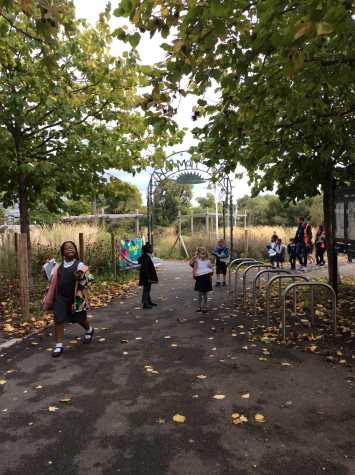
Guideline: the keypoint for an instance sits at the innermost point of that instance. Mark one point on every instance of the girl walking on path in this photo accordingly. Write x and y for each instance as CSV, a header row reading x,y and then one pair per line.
x,y
202,273
67,297
320,245
221,253
147,275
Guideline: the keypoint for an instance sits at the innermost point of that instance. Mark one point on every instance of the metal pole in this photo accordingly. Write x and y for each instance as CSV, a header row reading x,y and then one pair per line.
x,y
224,220
312,307
216,210
137,223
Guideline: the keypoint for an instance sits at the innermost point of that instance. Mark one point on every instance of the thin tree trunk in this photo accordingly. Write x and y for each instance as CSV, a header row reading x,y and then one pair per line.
x,y
25,218
329,224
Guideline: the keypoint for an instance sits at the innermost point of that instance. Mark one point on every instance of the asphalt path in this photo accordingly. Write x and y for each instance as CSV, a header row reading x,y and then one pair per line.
x,y
108,407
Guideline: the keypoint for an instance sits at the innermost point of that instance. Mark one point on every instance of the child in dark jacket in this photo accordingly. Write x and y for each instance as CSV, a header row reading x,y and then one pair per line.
x,y
147,275
292,253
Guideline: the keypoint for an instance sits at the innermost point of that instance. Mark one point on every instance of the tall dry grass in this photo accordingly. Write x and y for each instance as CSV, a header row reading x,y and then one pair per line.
x,y
251,242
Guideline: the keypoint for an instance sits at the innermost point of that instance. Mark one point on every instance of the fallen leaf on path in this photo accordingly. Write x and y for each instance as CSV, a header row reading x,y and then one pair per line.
x,y
179,418
10,371
66,400
245,396
259,418
167,337
238,419
173,345
2,382
101,340
219,396
201,376
39,387
52,408
286,364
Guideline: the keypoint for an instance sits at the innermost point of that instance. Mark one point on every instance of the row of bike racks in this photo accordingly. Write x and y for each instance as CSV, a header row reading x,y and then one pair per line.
x,y
282,274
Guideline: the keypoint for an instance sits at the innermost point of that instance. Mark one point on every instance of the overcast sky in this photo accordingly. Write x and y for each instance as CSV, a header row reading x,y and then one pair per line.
x,y
150,53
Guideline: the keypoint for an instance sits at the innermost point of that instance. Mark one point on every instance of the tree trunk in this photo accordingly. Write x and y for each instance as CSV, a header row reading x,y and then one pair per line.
x,y
329,225
25,217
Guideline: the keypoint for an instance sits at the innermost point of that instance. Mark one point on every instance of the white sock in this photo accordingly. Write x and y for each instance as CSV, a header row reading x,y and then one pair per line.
x,y
59,345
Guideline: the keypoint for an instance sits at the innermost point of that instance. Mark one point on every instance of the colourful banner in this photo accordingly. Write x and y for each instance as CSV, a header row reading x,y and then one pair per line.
x,y
130,251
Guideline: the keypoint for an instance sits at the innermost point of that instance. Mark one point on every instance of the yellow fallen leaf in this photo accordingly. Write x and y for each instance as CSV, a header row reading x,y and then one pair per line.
x,y
259,418
286,364
65,400
2,382
52,408
238,419
201,376
173,345
245,396
10,371
39,387
180,419
219,396
101,340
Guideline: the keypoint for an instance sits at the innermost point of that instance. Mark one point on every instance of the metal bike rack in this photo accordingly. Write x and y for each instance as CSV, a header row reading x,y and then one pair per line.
x,y
245,273
311,285
268,291
236,261
258,277
241,264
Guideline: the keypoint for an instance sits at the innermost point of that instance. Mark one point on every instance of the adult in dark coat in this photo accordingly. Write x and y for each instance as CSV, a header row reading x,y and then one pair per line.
x,y
147,275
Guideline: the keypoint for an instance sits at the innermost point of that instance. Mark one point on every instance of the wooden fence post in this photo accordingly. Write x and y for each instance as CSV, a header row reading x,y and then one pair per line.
x,y
192,222
207,224
113,256
23,271
81,246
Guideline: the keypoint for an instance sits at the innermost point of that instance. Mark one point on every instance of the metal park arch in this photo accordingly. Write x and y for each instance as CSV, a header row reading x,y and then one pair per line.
x,y
187,171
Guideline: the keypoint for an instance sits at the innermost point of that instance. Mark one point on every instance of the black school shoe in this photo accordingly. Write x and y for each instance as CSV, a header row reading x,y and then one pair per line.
x,y
87,337
153,304
57,351
218,284
147,306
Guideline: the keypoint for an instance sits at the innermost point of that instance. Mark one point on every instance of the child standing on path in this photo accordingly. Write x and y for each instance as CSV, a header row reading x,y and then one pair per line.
x,y
66,295
280,253
221,253
147,275
202,273
292,253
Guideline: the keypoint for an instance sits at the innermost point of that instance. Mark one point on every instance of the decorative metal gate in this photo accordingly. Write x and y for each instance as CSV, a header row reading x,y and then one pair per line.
x,y
187,171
